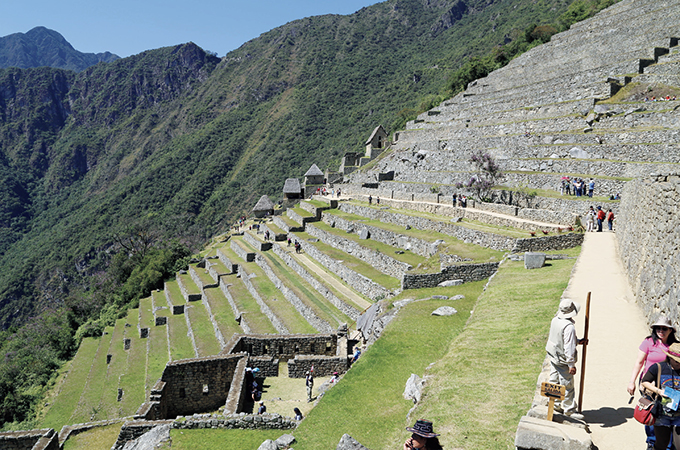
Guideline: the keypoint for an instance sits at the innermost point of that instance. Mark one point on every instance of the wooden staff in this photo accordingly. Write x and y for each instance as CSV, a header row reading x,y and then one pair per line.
x,y
585,347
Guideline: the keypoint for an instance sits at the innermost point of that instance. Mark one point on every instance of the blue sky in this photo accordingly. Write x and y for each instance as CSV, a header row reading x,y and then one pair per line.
x,y
128,27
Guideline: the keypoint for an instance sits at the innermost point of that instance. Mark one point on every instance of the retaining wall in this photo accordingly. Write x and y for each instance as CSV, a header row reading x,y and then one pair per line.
x,y
648,235
465,272
266,310
283,347
323,365
44,439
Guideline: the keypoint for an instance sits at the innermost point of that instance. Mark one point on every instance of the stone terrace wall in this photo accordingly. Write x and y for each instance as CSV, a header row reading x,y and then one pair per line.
x,y
380,261
547,243
465,272
362,284
649,243
134,429
243,421
45,439
266,310
418,246
350,311
489,240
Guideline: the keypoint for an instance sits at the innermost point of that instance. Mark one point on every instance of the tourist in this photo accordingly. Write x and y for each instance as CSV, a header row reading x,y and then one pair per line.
x,y
423,437
377,200
591,188
309,383
567,186
590,220
370,199
357,354
338,192
669,371
262,409
334,379
600,218
561,349
289,241
610,219
298,413
652,350
254,391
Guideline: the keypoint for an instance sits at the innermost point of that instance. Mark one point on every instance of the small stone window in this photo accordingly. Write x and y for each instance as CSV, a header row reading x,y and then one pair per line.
x,y
182,393
280,349
297,349
328,347
312,348
266,349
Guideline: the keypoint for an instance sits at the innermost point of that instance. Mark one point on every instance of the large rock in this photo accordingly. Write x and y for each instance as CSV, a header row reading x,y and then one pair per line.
x,y
364,234
414,388
347,442
449,283
579,153
151,439
534,260
285,441
538,434
268,445
445,311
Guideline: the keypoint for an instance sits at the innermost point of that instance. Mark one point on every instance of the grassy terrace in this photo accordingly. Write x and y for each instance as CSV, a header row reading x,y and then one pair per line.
x,y
274,298
309,296
451,245
406,257
181,346
88,404
274,229
548,193
159,300
290,222
466,223
353,263
175,293
133,381
204,276
204,333
157,356
221,309
109,407
302,213
189,284
220,267
70,386
318,203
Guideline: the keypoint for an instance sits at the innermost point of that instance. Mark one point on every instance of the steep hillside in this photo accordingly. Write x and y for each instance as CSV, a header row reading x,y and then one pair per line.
x,y
44,47
186,143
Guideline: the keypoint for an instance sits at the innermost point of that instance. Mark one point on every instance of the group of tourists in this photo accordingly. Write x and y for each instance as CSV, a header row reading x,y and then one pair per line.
x,y
323,191
667,98
577,186
460,200
598,216
370,200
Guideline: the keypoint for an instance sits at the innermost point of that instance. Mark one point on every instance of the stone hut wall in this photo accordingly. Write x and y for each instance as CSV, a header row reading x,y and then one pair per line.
x,y
283,347
44,439
546,243
323,365
649,243
197,385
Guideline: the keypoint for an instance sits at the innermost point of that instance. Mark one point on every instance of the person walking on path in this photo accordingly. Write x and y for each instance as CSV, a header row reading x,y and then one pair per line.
x,y
590,219
610,219
561,349
670,378
591,188
309,382
652,350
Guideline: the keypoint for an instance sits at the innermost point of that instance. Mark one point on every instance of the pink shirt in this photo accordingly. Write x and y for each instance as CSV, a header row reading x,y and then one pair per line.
x,y
655,352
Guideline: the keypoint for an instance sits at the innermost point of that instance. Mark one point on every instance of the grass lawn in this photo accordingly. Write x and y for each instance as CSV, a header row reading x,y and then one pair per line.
x,y
204,276
367,403
353,263
302,213
181,346
318,203
189,284
159,300
246,304
109,407
175,293
70,389
157,355
225,439
222,312
486,381
204,333
290,222
99,438
133,381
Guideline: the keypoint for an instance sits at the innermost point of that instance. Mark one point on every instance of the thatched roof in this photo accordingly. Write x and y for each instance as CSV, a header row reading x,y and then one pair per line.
x,y
292,186
314,171
377,129
264,204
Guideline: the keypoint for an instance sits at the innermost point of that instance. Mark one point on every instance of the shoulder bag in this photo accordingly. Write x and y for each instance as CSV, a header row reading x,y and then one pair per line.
x,y
647,407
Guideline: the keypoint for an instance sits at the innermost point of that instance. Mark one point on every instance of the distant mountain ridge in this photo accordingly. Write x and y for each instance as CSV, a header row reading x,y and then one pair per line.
x,y
42,47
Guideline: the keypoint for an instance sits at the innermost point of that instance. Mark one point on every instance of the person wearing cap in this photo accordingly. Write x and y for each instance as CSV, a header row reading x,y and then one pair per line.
x,y
561,349
309,382
652,350
262,409
668,375
423,437
600,218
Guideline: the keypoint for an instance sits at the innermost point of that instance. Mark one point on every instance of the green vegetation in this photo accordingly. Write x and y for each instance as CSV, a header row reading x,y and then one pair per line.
x,y
96,438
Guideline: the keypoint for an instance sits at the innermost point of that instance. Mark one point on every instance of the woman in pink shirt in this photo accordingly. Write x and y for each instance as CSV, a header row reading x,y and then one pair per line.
x,y
652,350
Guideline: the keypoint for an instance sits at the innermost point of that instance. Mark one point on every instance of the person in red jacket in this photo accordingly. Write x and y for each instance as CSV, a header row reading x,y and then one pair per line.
x,y
610,219
600,218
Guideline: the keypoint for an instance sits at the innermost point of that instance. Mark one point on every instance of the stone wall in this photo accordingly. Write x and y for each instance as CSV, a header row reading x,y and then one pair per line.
x,y
285,227
268,365
256,243
188,296
266,310
547,243
241,252
489,240
380,261
465,272
227,262
45,439
244,421
418,246
283,347
649,243
224,287
350,311
134,429
360,283
323,365
196,385
305,311
199,282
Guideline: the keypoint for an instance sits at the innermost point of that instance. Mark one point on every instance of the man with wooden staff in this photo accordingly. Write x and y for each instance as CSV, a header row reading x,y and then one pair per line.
x,y
561,348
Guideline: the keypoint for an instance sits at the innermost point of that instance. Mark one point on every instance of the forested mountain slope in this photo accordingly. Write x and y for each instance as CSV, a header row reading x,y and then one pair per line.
x,y
184,142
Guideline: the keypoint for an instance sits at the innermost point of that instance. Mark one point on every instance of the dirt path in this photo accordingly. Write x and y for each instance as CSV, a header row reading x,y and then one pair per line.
x,y
617,327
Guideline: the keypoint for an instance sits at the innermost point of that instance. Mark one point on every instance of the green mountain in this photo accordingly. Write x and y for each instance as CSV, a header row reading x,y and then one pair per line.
x,y
181,142
44,47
